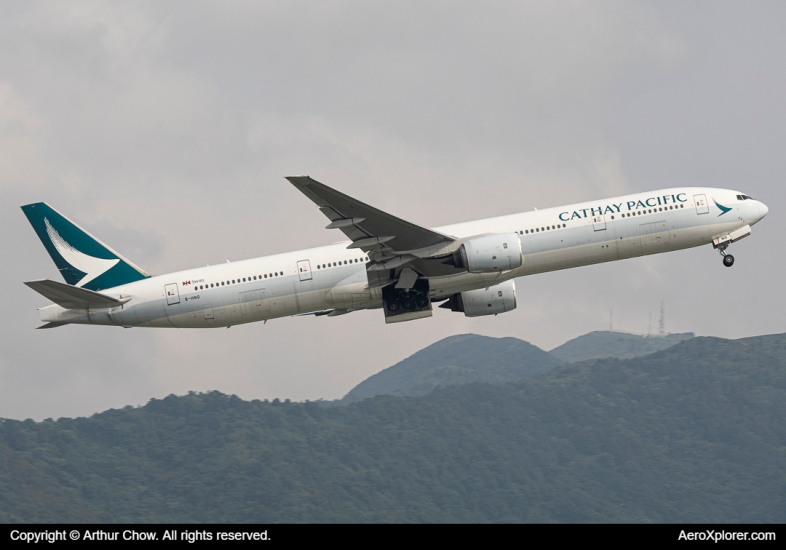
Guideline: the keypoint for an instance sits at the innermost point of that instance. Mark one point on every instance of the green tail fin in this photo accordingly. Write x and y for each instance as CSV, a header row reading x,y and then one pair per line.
x,y
83,260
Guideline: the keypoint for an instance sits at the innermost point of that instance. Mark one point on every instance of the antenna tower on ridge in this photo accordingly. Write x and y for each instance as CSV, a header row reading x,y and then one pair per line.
x,y
662,331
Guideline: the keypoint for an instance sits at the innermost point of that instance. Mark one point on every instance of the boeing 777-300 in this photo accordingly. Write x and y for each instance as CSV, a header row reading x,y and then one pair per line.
x,y
387,263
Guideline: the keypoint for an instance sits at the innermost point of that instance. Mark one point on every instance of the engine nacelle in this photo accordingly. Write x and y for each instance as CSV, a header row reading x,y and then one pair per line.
x,y
490,254
477,303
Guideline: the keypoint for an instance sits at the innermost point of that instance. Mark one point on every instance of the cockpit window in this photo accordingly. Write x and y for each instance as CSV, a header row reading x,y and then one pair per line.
x,y
745,198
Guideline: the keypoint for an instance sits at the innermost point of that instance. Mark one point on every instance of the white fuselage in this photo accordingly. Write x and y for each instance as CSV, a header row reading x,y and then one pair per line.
x,y
333,277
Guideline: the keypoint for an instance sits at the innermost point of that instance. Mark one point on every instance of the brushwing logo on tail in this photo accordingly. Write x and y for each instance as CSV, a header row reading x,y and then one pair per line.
x,y
93,267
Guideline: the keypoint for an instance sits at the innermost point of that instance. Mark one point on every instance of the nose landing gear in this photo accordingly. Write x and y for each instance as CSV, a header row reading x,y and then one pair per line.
x,y
728,259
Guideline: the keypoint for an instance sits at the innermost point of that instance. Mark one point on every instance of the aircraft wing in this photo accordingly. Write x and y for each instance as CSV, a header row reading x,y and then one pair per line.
x,y
72,297
366,226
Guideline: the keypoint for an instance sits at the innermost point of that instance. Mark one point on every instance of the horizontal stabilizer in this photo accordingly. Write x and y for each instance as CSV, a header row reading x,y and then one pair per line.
x,y
52,325
72,297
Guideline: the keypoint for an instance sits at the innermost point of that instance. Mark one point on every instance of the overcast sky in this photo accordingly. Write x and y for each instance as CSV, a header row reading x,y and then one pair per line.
x,y
166,128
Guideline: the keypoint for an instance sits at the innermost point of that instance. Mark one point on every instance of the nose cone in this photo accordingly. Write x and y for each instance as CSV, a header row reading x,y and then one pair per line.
x,y
763,210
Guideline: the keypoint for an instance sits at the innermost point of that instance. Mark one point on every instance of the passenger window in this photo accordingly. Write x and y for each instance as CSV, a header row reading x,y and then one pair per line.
x,y
265,276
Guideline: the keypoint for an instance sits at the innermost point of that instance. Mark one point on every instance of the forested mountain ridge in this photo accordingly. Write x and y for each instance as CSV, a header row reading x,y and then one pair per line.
x,y
695,433
466,358
622,345
455,360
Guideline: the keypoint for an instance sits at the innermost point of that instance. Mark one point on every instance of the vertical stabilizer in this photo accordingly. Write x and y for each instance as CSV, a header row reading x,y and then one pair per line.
x,y
83,260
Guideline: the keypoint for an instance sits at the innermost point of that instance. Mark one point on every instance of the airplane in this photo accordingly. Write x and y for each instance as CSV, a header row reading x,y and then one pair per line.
x,y
387,263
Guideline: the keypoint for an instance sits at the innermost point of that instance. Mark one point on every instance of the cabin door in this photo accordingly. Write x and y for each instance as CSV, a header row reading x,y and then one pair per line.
x,y
172,294
599,222
304,270
701,204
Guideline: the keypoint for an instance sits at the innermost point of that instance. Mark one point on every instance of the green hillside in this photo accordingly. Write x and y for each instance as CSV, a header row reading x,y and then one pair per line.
x,y
695,433
457,360
622,345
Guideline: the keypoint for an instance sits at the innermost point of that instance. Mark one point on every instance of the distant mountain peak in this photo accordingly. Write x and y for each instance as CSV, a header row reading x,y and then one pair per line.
x,y
458,359
601,344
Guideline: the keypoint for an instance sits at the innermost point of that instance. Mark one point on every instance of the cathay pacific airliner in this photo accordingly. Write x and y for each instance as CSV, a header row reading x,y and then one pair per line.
x,y
386,262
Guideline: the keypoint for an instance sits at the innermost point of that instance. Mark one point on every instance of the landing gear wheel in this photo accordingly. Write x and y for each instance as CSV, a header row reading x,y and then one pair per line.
x,y
408,303
422,302
393,306
728,260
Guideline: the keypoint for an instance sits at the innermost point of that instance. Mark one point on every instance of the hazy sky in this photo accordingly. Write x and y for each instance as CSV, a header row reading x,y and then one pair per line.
x,y
165,128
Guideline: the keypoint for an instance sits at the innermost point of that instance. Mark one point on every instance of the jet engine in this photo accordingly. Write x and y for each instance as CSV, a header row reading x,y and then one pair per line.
x,y
477,303
490,254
